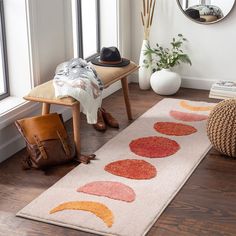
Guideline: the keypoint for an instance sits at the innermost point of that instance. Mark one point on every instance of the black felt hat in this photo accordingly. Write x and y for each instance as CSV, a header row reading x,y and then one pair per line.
x,y
110,57
194,14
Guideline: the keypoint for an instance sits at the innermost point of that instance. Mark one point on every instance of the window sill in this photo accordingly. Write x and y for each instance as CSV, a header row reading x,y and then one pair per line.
x,y
13,108
9,103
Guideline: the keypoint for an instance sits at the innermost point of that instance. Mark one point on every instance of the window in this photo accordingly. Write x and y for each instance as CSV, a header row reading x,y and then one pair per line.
x,y
4,88
88,28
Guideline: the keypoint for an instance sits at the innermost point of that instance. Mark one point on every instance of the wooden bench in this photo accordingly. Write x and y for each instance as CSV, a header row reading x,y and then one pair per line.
x,y
45,94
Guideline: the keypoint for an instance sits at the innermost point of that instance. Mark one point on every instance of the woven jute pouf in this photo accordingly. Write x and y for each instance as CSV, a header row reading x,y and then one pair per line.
x,y
221,127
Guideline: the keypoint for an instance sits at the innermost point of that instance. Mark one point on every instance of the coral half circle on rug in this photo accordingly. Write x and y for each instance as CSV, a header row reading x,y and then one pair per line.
x,y
189,117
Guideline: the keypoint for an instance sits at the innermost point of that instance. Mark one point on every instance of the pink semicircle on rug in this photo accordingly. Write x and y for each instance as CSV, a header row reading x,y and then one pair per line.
x,y
110,189
185,116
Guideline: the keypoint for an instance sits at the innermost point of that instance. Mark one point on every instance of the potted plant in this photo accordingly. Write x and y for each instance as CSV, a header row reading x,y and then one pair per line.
x,y
163,80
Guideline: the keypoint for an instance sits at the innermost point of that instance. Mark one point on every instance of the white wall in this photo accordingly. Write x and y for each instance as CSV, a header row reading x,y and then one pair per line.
x,y
210,47
51,36
108,20
115,25
124,27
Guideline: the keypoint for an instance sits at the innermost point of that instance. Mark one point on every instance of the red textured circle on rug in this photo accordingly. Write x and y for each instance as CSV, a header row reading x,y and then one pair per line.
x,y
154,147
172,128
132,169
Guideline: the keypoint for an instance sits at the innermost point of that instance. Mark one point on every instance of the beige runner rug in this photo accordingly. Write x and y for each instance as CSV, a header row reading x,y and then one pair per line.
x,y
135,176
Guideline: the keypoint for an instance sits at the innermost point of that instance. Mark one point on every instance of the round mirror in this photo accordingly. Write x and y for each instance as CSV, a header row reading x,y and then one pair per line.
x,y
206,11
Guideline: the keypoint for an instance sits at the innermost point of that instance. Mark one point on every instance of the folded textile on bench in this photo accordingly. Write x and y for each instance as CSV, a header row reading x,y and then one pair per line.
x,y
78,79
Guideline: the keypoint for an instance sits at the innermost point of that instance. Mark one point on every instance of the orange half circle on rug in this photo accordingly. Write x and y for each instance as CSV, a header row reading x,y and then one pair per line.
x,y
185,116
98,209
175,129
185,105
110,189
154,147
132,169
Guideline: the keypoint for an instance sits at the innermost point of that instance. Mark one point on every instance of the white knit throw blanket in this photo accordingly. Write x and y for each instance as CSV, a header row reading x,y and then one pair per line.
x,y
78,79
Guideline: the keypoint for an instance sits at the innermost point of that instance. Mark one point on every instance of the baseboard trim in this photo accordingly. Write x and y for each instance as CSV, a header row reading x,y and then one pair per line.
x,y
197,83
18,112
7,149
15,143
189,82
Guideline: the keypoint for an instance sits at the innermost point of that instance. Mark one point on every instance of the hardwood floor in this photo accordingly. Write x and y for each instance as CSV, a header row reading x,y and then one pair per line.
x,y
206,205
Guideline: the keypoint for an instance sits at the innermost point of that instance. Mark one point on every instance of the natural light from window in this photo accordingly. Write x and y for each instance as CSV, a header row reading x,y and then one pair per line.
x,y
2,78
89,24
3,82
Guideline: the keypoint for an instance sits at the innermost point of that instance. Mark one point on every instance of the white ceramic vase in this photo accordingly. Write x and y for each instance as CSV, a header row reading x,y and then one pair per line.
x,y
165,82
144,73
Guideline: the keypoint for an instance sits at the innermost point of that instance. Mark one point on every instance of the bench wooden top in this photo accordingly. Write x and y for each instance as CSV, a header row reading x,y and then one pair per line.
x,y
109,75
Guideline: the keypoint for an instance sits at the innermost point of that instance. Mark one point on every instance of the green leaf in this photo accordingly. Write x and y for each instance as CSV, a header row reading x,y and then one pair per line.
x,y
167,57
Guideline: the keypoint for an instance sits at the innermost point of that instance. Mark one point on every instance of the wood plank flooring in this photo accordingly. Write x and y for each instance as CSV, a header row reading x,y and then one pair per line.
x,y
206,205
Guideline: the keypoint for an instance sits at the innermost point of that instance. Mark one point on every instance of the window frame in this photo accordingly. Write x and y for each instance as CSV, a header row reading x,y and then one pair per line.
x,y
4,51
80,31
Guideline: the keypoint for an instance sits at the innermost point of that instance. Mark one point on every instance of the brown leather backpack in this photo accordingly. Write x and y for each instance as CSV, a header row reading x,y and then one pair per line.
x,y
47,141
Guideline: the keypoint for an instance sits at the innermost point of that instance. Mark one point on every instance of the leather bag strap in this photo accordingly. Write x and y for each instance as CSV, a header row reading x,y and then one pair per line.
x,y
64,144
26,163
40,147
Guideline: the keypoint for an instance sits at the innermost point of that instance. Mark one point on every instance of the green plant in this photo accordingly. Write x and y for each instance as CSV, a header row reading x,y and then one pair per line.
x,y
165,58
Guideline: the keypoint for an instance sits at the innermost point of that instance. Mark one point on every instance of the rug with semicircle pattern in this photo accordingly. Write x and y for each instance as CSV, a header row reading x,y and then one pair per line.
x,y
135,176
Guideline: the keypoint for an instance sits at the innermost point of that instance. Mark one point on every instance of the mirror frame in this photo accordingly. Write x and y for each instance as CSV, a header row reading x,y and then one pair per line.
x,y
204,23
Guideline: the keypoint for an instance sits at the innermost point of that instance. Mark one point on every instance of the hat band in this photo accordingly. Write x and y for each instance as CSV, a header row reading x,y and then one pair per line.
x,y
111,62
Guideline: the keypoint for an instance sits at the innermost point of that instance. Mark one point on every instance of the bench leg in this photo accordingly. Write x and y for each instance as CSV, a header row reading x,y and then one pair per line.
x,y
76,126
45,108
125,87
85,159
